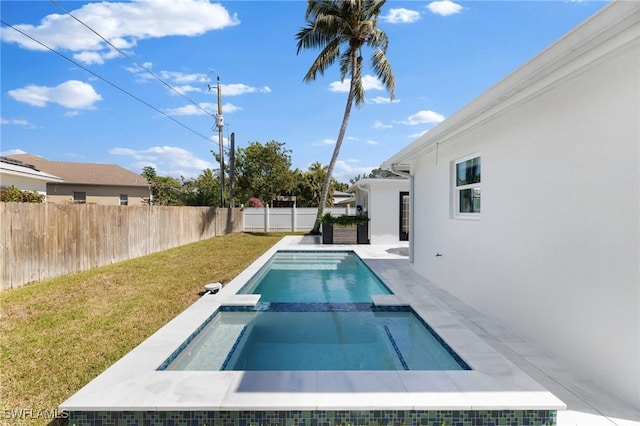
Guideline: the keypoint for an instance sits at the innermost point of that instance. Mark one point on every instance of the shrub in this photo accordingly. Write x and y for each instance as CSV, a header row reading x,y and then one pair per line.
x,y
358,219
14,195
254,202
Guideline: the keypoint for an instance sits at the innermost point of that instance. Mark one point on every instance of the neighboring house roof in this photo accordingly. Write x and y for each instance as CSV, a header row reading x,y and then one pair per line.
x,y
340,197
84,173
376,181
9,166
614,27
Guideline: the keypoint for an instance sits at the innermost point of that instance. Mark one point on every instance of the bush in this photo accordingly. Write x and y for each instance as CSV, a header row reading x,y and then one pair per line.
x,y
358,219
254,202
14,195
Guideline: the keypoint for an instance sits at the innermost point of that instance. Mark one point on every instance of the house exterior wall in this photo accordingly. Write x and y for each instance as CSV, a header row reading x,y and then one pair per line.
x,y
385,211
382,201
62,193
555,253
24,183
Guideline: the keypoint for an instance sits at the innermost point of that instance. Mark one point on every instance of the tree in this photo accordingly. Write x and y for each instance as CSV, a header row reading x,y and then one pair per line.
x,y
352,24
165,190
308,186
316,176
203,190
374,174
14,195
263,171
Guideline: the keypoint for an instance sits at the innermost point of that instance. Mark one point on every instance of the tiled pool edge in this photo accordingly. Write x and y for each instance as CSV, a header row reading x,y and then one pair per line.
x,y
317,418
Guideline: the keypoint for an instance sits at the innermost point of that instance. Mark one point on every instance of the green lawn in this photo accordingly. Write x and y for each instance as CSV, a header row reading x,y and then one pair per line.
x,y
57,335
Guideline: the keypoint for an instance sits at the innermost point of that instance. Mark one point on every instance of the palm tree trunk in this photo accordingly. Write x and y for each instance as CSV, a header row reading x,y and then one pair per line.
x,y
334,157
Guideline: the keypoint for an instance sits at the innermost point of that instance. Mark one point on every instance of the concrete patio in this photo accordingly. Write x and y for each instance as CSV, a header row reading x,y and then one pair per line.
x,y
587,403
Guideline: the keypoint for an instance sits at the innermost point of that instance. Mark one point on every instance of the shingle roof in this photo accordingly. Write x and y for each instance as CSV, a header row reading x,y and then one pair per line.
x,y
84,173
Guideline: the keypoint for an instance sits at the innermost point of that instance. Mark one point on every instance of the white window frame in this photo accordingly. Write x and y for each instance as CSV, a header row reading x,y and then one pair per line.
x,y
455,189
124,199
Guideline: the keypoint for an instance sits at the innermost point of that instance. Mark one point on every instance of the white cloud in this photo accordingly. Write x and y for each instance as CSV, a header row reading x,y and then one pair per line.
x,y
183,78
136,69
444,7
186,89
325,142
236,89
89,58
211,109
123,23
166,160
380,125
192,109
369,82
345,170
340,86
382,100
422,117
194,82
13,152
92,57
417,135
401,16
229,108
72,94
371,142
15,122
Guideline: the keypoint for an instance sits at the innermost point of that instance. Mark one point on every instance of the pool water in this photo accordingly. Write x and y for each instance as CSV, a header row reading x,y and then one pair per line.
x,y
355,338
315,313
303,277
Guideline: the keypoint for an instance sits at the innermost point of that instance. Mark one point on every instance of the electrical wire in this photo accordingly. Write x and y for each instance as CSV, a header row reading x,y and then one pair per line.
x,y
157,77
105,80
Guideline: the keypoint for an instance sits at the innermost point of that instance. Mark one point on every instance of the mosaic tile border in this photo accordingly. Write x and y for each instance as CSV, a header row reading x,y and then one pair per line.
x,y
315,418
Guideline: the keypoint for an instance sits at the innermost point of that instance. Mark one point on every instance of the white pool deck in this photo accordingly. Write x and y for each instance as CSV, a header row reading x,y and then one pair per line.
x,y
508,372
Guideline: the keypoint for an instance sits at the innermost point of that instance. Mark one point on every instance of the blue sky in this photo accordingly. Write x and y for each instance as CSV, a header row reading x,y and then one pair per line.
x,y
443,55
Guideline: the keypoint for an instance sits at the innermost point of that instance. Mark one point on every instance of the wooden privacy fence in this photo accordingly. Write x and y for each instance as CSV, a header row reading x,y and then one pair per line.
x,y
43,241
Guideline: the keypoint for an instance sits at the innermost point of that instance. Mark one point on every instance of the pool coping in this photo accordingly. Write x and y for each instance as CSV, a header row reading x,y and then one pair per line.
x,y
133,383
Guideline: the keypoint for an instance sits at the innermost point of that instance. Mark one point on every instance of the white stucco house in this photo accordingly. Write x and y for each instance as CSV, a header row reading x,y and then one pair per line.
x,y
24,176
529,200
386,202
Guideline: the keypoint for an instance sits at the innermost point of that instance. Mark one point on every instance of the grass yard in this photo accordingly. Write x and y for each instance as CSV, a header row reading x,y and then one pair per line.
x,y
57,335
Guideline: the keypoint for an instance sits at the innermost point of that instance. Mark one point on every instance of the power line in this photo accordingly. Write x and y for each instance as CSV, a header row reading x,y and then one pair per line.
x,y
157,77
106,81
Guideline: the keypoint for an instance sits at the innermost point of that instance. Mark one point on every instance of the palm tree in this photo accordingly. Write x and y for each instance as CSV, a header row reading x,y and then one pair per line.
x,y
317,175
333,25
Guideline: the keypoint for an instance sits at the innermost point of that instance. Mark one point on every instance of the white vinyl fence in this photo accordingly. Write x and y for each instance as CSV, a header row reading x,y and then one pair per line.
x,y
286,219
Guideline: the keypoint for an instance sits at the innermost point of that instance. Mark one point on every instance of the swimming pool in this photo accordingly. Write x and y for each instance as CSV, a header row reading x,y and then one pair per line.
x,y
304,277
134,390
315,337
315,314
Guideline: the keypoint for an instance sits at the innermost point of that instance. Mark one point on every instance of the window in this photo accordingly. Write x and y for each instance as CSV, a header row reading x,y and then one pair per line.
x,y
467,187
124,200
79,197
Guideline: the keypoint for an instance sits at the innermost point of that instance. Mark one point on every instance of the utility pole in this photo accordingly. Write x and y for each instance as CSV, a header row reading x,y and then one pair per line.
x,y
232,168
220,126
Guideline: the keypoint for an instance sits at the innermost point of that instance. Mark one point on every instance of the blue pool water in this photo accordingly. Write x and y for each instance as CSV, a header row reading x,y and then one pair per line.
x,y
315,313
354,337
301,277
